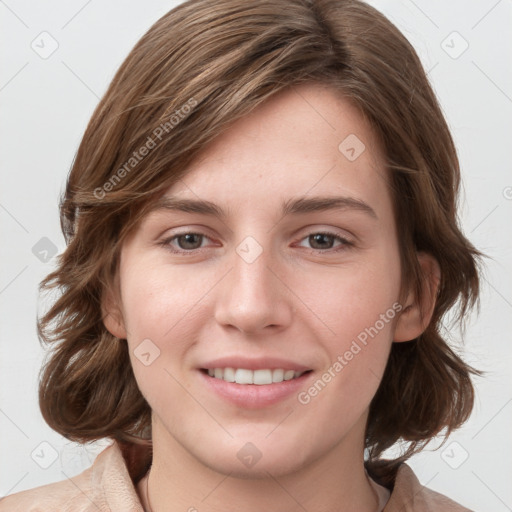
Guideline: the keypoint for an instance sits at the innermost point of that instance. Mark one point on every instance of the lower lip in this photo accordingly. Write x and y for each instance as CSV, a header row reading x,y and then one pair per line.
x,y
254,396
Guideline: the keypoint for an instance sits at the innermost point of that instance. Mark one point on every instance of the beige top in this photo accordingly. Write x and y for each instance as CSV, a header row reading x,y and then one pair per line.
x,y
108,486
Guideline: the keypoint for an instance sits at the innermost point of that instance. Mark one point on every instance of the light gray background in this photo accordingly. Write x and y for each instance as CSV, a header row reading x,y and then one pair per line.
x,y
46,104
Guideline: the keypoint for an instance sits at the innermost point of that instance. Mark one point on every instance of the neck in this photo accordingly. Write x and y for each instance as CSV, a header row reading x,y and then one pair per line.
x,y
178,481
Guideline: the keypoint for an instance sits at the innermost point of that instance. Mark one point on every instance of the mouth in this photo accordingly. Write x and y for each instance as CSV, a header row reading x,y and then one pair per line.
x,y
254,382
260,377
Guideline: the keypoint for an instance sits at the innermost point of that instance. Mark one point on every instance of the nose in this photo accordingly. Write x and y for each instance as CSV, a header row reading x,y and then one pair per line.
x,y
253,298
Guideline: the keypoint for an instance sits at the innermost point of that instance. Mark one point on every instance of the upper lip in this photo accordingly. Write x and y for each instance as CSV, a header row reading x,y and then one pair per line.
x,y
260,363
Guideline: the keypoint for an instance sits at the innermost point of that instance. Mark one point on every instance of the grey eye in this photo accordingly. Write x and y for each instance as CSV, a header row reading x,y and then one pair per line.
x,y
189,241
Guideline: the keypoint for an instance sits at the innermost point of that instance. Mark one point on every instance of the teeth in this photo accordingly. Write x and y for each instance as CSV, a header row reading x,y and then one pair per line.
x,y
262,377
229,375
243,376
277,375
258,377
289,374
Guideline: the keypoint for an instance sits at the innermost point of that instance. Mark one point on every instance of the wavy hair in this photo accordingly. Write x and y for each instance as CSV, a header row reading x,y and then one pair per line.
x,y
200,67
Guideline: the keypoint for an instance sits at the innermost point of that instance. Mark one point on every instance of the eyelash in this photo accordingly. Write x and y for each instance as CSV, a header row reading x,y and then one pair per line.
x,y
345,243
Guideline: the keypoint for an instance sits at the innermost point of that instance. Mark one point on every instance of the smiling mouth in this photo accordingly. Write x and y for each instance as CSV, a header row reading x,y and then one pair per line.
x,y
258,377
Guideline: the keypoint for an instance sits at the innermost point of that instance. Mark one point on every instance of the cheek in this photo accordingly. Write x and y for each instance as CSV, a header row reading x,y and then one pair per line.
x,y
349,300
358,309
160,301
160,307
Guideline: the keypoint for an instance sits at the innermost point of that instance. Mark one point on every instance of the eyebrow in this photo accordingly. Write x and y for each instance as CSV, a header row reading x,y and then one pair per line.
x,y
298,205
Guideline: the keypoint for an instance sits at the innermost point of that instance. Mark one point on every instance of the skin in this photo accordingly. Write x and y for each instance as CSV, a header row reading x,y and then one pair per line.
x,y
301,299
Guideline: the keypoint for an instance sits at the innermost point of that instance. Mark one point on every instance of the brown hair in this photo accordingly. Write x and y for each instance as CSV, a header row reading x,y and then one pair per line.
x,y
200,67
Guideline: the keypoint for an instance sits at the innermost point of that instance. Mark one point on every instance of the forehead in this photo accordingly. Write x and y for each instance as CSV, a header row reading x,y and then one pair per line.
x,y
304,140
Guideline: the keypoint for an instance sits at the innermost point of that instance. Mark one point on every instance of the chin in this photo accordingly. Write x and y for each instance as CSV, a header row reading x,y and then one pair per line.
x,y
247,461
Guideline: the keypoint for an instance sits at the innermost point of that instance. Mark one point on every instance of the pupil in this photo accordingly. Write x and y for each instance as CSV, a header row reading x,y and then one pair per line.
x,y
188,240
321,239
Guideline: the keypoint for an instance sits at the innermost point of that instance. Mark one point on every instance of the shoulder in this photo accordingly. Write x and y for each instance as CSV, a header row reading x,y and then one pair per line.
x,y
410,496
105,486
59,496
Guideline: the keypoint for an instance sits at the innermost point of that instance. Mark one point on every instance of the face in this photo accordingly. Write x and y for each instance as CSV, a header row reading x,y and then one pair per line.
x,y
274,261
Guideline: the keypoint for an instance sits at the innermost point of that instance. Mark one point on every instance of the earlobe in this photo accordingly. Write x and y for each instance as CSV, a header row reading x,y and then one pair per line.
x,y
112,316
417,312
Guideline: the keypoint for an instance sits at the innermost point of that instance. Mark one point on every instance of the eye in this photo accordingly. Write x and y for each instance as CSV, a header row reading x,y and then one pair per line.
x,y
184,242
319,242
323,241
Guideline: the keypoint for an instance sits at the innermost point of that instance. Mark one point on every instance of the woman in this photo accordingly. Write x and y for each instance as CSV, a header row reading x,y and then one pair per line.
x,y
262,242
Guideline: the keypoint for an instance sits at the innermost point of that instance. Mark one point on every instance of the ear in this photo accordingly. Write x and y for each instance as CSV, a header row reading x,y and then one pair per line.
x,y
112,315
416,315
